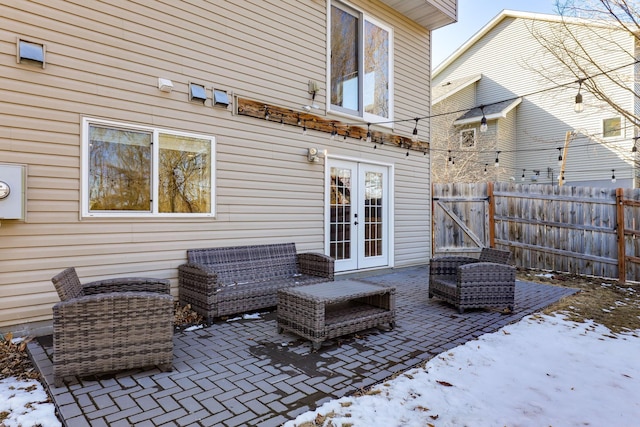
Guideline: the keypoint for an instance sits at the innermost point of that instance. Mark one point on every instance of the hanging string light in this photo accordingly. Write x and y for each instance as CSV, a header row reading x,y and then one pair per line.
x,y
304,127
483,121
299,121
369,133
334,132
414,137
449,159
522,178
267,116
497,163
559,156
613,175
485,168
578,107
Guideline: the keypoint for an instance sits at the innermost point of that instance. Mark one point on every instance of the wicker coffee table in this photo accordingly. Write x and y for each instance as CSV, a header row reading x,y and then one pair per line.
x,y
327,310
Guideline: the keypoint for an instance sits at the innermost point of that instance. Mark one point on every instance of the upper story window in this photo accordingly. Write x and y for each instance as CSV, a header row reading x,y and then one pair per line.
x,y
360,68
133,170
468,138
612,127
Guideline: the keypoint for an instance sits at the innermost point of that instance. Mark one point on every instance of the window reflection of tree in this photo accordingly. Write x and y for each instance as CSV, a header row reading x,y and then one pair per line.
x,y
344,55
185,185
376,62
119,169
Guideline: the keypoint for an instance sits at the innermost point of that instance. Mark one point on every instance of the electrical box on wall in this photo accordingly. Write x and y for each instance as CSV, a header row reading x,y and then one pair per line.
x,y
12,191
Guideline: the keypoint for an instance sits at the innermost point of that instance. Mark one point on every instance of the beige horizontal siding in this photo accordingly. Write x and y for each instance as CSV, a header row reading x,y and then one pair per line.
x,y
103,61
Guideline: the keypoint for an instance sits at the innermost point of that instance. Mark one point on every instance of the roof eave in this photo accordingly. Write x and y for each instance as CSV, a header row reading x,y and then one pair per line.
x,y
428,14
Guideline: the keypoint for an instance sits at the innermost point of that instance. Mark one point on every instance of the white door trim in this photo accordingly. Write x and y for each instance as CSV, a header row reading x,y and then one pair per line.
x,y
359,262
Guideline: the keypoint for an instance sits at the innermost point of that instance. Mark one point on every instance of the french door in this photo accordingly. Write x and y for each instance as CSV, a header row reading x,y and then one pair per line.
x,y
358,219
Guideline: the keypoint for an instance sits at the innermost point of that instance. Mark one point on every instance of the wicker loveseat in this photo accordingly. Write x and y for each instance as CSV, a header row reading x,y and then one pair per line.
x,y
111,325
465,282
229,280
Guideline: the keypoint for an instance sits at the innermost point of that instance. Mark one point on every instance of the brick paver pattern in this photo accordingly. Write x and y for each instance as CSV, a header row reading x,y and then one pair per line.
x,y
243,373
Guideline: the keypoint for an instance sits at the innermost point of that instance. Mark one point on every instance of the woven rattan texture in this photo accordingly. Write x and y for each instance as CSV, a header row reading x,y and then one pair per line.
x,y
322,312
487,281
108,327
229,280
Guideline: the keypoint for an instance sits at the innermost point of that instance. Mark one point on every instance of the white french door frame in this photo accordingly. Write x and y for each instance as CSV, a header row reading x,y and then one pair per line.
x,y
357,260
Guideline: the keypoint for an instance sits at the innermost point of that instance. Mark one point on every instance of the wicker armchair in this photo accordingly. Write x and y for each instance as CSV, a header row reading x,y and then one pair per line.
x,y
111,325
487,281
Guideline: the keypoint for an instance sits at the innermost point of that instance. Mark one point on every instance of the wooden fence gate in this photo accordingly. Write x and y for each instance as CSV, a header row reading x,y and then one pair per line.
x,y
583,230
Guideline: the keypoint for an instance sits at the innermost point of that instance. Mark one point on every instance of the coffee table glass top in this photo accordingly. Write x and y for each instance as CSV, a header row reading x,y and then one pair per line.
x,y
337,289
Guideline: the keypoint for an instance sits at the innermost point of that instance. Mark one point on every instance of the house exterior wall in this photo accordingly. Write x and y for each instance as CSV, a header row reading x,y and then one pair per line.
x,y
103,60
523,69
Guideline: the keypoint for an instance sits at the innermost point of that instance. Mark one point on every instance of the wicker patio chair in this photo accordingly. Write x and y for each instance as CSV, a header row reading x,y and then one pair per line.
x,y
465,282
111,325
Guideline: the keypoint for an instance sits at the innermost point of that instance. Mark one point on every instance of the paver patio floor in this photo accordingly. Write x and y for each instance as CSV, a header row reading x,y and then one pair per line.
x,y
243,373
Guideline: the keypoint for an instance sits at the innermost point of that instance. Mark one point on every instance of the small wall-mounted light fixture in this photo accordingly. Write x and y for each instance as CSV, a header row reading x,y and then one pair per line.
x,y
31,53
315,154
197,92
220,98
165,85
313,89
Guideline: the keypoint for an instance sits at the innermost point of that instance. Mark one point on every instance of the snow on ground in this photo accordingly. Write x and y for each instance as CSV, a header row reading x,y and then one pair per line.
x,y
25,404
541,371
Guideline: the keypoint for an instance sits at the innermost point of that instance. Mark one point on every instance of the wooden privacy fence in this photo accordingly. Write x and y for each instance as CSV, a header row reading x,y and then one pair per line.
x,y
583,230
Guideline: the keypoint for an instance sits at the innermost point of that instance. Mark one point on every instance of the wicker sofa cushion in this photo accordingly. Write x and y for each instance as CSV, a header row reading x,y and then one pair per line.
x,y
248,264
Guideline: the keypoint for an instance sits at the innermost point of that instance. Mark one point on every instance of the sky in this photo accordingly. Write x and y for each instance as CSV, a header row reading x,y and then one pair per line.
x,y
475,14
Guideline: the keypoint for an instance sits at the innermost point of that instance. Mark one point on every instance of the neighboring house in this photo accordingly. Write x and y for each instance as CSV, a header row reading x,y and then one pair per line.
x,y
133,131
504,74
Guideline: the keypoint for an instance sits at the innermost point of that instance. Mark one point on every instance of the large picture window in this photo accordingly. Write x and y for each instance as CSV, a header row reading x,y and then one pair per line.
x,y
612,127
133,170
360,67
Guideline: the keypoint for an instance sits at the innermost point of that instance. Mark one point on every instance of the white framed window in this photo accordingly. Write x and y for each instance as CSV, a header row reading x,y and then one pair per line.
x,y
468,138
360,64
612,127
130,170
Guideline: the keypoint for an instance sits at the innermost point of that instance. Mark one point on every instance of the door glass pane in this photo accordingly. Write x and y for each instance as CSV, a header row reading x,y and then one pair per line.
x,y
185,174
376,73
373,214
119,169
344,59
340,226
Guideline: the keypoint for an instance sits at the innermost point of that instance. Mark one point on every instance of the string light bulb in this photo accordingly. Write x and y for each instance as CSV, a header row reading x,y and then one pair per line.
x,y
523,178
559,156
267,116
579,106
299,121
304,127
449,159
613,175
369,133
497,163
485,168
334,132
483,121
414,137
